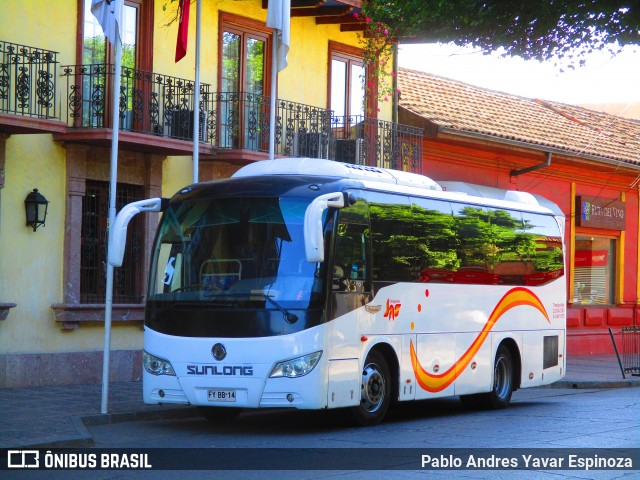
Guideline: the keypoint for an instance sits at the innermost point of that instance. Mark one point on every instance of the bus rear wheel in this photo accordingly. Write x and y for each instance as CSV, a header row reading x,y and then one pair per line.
x,y
375,391
500,394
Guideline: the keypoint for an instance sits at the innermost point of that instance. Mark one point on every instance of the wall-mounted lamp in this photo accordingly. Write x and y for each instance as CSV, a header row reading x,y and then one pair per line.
x,y
36,207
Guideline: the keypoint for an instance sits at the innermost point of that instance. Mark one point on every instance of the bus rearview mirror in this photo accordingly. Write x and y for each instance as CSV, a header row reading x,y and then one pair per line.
x,y
118,234
313,231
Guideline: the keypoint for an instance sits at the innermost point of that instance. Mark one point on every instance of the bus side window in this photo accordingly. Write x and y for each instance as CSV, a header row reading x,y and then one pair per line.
x,y
437,242
393,238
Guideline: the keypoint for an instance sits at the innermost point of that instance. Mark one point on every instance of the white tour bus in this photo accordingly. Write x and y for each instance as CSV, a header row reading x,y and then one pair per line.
x,y
313,284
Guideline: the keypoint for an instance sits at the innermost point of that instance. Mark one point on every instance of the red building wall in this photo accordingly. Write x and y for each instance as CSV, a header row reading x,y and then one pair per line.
x,y
485,163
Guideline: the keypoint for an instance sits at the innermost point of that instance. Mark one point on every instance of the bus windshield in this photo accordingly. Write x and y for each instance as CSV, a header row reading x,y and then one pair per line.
x,y
235,252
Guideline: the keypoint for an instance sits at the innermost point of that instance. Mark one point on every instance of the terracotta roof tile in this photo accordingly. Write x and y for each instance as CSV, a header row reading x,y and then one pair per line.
x,y
463,108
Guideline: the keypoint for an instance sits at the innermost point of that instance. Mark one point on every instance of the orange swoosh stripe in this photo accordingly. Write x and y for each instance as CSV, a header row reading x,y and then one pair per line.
x,y
513,298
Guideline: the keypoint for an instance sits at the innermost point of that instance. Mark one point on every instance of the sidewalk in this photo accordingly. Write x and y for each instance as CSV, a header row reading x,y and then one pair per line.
x,y
58,416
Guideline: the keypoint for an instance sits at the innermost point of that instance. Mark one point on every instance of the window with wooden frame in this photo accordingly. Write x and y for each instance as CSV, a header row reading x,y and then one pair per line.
x,y
244,80
594,270
128,280
137,45
86,213
348,76
96,54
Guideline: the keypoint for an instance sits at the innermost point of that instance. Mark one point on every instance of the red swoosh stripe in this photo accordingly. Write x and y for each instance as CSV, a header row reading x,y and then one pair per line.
x,y
513,298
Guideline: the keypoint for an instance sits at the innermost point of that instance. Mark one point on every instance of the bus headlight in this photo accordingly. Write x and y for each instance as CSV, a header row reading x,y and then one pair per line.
x,y
156,365
296,367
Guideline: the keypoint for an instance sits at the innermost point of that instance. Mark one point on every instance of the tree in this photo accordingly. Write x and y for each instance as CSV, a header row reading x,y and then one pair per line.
x,y
531,29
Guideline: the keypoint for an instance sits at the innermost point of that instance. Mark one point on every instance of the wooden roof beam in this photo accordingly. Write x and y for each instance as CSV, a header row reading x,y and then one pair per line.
x,y
345,19
317,3
321,12
299,3
352,27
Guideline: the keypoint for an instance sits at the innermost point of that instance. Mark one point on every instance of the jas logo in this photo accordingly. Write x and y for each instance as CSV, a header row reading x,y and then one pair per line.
x,y
392,309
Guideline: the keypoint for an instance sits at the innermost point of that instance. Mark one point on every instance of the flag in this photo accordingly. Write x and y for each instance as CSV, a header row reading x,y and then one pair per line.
x,y
183,29
109,15
278,18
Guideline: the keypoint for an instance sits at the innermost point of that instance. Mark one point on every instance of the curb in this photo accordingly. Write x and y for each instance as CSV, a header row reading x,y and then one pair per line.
x,y
84,439
146,415
587,384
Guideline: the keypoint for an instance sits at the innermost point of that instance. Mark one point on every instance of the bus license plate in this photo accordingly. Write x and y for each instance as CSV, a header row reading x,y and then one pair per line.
x,y
221,395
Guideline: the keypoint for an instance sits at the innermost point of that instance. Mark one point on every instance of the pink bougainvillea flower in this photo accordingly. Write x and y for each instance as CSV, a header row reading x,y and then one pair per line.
x,y
367,20
356,15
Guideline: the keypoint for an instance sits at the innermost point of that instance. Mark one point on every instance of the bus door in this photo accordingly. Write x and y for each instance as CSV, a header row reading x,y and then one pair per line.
x,y
351,278
395,253
350,291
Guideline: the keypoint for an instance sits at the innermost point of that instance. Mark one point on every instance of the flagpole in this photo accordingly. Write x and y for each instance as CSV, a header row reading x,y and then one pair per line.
x,y
196,97
272,109
278,18
112,219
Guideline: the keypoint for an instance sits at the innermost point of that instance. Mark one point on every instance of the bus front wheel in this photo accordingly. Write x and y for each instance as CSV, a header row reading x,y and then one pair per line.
x,y
375,391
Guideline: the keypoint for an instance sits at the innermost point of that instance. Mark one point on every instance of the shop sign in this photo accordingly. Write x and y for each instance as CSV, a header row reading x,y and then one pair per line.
x,y
601,213
591,258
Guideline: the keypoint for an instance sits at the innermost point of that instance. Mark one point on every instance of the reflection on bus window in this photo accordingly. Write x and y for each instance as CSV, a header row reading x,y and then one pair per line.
x,y
235,251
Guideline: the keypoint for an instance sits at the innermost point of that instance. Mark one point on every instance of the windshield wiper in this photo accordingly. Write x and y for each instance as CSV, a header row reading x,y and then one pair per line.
x,y
289,317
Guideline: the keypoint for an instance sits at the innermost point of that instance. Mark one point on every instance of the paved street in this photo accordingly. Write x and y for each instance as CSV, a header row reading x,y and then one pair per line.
x,y
538,418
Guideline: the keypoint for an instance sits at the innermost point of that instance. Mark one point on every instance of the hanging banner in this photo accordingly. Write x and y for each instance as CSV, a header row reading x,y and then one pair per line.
x,y
591,258
601,213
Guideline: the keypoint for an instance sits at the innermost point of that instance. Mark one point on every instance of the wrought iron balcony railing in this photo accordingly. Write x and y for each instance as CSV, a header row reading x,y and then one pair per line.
x,y
150,103
241,121
163,105
27,81
369,141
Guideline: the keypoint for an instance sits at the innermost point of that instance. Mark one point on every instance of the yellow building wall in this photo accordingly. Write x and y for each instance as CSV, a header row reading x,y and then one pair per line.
x,y
303,81
49,24
31,263
177,172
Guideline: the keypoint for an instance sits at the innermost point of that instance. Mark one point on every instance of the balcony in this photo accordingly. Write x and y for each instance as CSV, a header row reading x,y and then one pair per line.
x,y
156,110
28,90
240,127
157,114
369,141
